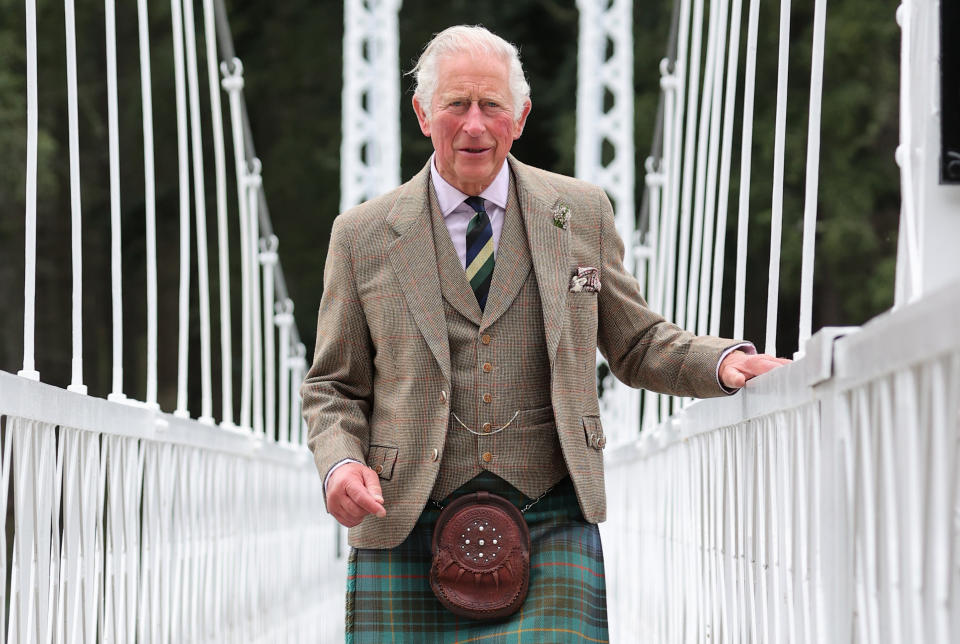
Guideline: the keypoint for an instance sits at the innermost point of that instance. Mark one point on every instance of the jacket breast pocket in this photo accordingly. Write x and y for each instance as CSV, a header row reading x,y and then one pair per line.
x,y
381,460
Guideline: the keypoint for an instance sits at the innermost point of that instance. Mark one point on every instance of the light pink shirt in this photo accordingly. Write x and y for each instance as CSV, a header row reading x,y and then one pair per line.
x,y
457,214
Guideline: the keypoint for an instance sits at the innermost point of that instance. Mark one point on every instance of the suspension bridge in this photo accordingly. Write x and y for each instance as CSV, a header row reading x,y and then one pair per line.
x,y
820,504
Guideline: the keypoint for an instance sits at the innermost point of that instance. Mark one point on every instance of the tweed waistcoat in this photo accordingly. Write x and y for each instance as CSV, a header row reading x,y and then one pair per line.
x,y
500,370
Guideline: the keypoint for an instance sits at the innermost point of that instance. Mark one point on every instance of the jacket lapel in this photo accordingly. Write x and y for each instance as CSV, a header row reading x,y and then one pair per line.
x,y
414,261
513,262
549,249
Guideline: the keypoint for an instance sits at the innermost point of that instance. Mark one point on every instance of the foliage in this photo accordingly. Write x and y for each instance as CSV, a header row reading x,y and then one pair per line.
x,y
291,53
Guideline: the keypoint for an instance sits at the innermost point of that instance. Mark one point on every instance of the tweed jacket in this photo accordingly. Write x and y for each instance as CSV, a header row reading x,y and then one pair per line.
x,y
377,391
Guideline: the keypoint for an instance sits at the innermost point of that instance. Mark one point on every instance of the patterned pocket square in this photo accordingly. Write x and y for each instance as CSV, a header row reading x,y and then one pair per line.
x,y
587,279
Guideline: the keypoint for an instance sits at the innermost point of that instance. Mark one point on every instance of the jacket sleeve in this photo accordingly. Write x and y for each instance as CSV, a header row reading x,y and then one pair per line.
x,y
641,347
338,390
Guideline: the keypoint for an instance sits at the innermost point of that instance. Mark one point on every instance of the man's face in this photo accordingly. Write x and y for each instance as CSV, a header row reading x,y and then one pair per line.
x,y
472,124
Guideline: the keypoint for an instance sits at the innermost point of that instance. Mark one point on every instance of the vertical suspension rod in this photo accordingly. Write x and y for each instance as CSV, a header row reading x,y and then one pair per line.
x,y
116,268
176,20
200,208
719,248
149,180
813,173
746,154
779,150
76,376
219,161
30,241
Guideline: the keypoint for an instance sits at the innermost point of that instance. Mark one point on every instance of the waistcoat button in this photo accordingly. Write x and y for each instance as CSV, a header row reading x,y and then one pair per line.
x,y
486,428
487,367
487,457
487,398
485,339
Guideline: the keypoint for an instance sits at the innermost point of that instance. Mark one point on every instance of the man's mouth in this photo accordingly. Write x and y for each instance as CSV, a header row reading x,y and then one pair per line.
x,y
474,150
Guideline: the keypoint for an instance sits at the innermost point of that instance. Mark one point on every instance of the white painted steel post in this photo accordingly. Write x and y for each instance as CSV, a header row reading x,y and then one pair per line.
x,y
284,320
268,259
200,208
150,200
183,345
220,173
30,228
370,148
76,248
599,73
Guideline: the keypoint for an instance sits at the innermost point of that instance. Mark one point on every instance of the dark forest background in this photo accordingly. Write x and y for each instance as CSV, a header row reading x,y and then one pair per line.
x,y
292,56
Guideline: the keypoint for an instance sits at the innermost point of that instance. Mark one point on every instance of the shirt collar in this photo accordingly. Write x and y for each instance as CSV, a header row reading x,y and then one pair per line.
x,y
449,198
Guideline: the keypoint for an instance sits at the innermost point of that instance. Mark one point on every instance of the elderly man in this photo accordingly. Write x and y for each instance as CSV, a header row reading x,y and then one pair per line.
x,y
456,346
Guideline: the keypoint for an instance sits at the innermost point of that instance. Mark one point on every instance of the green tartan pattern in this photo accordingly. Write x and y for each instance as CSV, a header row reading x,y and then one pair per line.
x,y
389,597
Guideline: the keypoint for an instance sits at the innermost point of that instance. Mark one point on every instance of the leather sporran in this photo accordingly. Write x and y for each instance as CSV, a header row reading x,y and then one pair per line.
x,y
481,557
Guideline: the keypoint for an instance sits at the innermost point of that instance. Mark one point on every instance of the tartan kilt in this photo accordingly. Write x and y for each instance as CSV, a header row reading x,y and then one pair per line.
x,y
389,596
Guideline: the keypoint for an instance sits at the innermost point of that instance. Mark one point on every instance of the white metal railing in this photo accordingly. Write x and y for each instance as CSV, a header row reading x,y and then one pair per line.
x,y
127,522
819,504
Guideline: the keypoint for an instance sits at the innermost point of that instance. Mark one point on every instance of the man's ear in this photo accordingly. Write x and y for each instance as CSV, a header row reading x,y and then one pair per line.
x,y
421,117
522,121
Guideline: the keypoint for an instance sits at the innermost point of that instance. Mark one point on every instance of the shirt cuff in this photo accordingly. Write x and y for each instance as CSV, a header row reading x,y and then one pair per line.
x,y
746,347
332,469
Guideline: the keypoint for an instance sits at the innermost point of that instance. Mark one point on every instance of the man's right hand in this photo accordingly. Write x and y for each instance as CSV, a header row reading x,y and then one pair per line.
x,y
353,492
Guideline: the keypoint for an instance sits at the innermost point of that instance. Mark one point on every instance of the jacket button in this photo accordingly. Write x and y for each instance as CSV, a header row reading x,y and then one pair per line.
x,y
486,428
487,398
434,454
378,469
487,367
443,396
487,457
485,339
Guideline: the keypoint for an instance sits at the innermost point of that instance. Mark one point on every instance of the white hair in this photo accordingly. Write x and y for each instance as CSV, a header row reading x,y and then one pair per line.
x,y
475,40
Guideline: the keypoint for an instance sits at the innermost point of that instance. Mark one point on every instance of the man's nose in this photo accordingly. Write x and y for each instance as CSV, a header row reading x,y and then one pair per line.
x,y
473,123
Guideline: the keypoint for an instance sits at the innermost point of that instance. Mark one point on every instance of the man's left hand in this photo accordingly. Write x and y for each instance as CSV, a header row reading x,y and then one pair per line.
x,y
739,367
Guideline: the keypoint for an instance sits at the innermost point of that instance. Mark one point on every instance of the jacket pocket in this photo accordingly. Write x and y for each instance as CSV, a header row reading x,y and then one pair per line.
x,y
381,460
593,432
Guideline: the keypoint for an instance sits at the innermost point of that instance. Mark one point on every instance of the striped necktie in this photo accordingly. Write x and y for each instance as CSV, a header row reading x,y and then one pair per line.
x,y
479,251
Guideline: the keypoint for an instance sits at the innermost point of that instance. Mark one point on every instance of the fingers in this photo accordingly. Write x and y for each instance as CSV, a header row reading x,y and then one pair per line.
x,y
735,372
371,480
358,492
353,492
